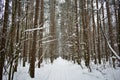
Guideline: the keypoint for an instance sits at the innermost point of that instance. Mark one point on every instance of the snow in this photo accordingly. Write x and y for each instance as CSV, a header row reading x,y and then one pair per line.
x,y
48,41
28,30
61,1
66,70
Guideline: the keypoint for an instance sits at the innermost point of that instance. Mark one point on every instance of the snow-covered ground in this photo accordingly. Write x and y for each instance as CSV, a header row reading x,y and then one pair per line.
x,y
65,70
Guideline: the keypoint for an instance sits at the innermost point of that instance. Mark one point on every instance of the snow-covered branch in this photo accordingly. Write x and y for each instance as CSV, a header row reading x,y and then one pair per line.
x,y
44,38
28,30
48,41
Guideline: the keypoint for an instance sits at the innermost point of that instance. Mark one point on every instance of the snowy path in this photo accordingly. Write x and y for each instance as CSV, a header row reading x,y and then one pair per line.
x,y
65,70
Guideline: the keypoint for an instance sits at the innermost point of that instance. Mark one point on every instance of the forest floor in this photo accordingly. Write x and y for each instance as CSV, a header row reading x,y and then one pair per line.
x,y
66,70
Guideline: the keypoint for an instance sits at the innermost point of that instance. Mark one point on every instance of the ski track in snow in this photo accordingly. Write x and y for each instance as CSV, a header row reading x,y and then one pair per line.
x,y
65,70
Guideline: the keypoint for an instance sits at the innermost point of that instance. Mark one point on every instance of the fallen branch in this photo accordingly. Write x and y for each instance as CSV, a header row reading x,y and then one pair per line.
x,y
110,47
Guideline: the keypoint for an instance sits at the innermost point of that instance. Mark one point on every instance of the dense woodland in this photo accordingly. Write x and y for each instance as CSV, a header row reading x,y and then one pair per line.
x,y
34,30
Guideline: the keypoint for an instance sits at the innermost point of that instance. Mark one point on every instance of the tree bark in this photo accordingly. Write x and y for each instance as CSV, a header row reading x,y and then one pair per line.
x,y
94,32
52,29
85,32
33,52
110,24
118,37
77,43
4,37
98,35
41,32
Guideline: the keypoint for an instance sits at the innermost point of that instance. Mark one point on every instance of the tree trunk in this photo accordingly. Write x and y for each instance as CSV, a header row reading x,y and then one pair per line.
x,y
85,32
118,37
77,34
52,29
4,37
94,32
41,32
17,35
104,28
98,35
25,38
110,24
12,38
33,51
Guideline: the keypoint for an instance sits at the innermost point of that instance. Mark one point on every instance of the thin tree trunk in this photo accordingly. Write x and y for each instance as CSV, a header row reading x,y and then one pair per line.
x,y
12,38
25,37
94,31
52,29
77,34
118,37
33,52
17,37
85,33
41,32
104,27
98,35
31,22
109,24
4,37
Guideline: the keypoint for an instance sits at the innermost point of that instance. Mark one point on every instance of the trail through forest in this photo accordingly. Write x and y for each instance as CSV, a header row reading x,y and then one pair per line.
x,y
66,70
84,33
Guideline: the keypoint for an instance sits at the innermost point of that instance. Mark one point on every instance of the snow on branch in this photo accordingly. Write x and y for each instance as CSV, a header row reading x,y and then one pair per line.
x,y
118,57
26,40
49,41
28,30
44,38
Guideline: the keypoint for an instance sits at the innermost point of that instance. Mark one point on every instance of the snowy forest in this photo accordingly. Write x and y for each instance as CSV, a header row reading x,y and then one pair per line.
x,y
59,39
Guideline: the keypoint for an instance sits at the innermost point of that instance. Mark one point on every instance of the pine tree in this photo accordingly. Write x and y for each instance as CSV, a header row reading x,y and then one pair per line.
x,y
4,37
41,33
52,30
33,50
